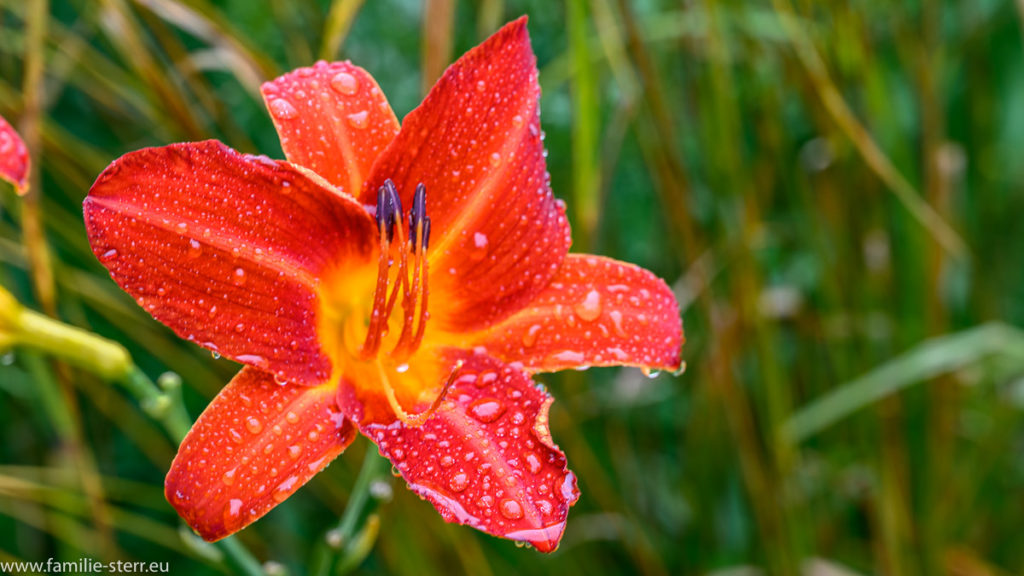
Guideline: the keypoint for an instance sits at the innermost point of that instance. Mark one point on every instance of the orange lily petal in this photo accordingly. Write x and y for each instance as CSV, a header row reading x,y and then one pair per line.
x,y
498,234
486,458
332,119
226,249
253,446
596,312
14,161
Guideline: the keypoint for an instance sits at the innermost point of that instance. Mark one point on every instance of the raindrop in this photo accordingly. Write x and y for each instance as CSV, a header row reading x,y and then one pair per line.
x,y
447,461
650,373
254,425
313,436
194,248
590,308
495,160
229,477
517,121
283,109
358,120
545,507
479,249
239,276
234,507
402,368
284,489
215,354
345,83
291,417
532,462
458,482
616,317
530,336
110,255
511,509
486,378
486,409
481,85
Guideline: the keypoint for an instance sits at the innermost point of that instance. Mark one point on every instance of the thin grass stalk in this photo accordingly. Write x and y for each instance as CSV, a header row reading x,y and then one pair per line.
x,y
337,25
585,127
869,150
438,31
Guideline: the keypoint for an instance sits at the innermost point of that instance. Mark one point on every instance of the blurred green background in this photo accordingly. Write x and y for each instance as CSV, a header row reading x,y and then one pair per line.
x,y
833,188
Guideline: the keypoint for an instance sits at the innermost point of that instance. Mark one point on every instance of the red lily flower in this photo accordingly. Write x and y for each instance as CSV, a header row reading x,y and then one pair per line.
x,y
311,273
14,161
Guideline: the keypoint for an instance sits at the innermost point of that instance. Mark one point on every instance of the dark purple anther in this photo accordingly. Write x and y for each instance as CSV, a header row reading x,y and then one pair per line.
x,y
418,213
389,208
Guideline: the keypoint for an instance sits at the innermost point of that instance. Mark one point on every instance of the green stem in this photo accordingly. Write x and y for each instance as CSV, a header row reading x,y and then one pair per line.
x,y
341,547
110,361
238,558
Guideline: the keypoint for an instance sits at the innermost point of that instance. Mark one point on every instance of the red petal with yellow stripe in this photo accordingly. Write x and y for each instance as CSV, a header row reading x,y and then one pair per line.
x,y
485,458
595,312
253,446
498,234
227,249
333,119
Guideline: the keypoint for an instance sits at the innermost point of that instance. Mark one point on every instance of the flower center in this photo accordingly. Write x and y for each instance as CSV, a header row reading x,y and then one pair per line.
x,y
379,356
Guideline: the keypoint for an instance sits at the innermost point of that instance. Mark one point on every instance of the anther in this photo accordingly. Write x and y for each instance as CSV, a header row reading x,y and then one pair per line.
x,y
418,212
426,233
389,208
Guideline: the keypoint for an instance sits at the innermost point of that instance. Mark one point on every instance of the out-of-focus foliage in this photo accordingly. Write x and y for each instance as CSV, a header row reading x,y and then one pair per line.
x,y
832,187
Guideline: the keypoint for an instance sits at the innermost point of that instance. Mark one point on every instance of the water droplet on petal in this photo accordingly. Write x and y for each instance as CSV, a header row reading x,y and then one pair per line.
x,y
229,477
358,120
530,336
517,121
345,83
458,482
590,308
479,249
109,255
616,317
650,373
447,461
283,109
291,417
254,425
532,462
486,409
481,85
284,489
511,509
233,508
495,160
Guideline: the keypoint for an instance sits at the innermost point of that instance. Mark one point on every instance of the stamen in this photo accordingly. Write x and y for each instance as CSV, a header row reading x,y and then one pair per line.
x,y
415,420
419,227
385,226
418,213
388,214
